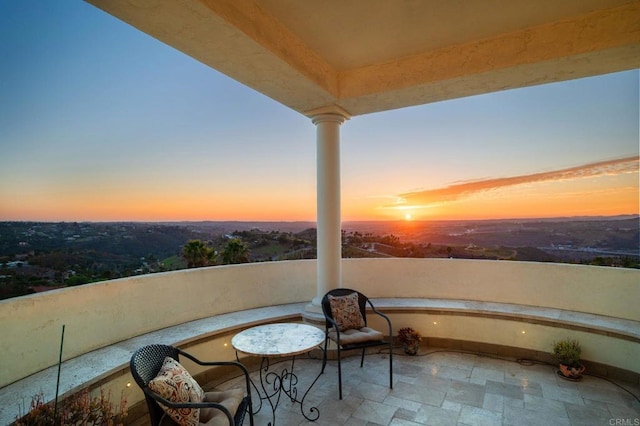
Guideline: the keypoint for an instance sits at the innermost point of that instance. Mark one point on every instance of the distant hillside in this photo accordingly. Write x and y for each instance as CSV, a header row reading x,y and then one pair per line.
x,y
609,235
40,255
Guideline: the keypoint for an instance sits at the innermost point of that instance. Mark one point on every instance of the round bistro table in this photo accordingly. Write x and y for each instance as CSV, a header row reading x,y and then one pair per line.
x,y
275,341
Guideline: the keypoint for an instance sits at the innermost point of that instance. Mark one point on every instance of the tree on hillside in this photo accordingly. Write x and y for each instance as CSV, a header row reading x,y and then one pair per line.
x,y
235,252
198,254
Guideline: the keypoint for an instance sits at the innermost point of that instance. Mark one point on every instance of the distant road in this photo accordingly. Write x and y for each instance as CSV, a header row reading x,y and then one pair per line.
x,y
590,251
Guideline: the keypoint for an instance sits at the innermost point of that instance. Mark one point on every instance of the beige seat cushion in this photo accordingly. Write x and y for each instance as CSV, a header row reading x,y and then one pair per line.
x,y
348,337
230,399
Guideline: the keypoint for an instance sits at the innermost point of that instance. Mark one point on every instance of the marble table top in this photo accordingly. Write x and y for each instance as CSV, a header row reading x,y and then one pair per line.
x,y
282,339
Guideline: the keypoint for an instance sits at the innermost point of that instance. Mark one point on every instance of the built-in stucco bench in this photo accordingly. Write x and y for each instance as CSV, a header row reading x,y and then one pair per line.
x,y
89,369
93,367
591,323
604,327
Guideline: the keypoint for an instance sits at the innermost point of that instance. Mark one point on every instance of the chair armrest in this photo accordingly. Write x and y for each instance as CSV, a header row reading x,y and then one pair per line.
x,y
236,364
335,326
172,404
215,363
212,363
377,312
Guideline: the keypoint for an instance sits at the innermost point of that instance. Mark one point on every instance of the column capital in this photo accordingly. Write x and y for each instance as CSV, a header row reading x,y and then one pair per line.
x,y
328,113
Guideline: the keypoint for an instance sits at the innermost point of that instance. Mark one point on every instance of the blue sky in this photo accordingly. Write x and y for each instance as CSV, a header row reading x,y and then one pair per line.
x,y
99,121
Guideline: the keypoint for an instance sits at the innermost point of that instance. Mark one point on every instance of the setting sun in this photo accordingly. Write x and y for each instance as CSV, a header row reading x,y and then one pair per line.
x,y
407,216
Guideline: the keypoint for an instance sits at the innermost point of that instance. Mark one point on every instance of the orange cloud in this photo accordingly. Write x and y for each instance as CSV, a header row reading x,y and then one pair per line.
x,y
433,197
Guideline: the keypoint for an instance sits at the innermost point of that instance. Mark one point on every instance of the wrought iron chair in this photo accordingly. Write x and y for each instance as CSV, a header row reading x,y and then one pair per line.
x,y
147,361
349,334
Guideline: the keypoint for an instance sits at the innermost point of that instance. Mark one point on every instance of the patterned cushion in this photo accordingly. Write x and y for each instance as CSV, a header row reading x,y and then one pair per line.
x,y
346,311
175,383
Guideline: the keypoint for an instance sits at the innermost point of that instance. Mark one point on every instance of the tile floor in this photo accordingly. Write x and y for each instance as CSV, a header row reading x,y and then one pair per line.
x,y
452,388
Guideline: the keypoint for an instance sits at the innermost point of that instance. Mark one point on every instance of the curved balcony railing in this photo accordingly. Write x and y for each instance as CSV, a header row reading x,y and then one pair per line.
x,y
102,314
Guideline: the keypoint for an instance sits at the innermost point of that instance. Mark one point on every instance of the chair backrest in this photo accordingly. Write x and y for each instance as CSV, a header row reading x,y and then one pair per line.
x,y
336,292
145,364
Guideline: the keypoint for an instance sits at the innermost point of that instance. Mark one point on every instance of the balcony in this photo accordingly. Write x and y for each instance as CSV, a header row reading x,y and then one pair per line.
x,y
503,309
507,309
446,386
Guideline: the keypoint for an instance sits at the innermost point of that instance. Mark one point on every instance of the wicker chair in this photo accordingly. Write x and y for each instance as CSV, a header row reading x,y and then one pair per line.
x,y
361,337
147,361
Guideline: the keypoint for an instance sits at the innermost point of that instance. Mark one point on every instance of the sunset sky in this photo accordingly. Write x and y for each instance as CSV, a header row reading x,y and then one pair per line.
x,y
100,122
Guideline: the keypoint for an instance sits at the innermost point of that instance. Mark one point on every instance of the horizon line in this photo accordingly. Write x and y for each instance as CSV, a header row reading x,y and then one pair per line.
x,y
528,218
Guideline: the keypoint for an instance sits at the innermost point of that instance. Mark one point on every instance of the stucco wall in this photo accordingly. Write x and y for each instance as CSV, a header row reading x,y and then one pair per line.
x,y
606,291
101,314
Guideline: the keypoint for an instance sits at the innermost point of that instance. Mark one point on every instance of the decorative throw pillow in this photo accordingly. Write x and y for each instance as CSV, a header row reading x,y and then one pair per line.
x,y
346,311
175,383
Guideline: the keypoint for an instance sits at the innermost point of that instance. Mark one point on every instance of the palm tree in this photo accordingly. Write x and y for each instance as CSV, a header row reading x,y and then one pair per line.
x,y
235,252
197,254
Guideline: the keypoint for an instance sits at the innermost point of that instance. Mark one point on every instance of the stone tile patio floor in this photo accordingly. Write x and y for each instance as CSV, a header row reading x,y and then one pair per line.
x,y
452,388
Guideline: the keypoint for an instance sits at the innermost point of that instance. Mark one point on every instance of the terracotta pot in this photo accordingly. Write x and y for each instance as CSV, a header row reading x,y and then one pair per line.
x,y
411,348
572,372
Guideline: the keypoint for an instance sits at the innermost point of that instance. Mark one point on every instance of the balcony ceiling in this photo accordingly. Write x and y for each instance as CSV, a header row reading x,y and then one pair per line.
x,y
364,56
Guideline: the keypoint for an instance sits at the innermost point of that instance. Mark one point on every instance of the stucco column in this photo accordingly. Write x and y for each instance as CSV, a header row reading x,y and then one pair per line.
x,y
329,271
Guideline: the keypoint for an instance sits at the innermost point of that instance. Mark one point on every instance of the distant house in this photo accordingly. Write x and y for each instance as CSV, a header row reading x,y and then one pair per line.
x,y
16,264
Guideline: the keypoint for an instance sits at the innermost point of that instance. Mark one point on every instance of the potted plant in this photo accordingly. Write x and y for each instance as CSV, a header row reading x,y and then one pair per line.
x,y
410,339
567,353
79,409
